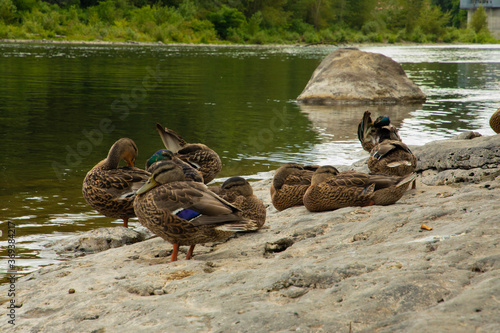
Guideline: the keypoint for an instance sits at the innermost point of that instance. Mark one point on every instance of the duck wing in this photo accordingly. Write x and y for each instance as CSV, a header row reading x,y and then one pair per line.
x,y
171,139
121,182
194,202
366,132
387,147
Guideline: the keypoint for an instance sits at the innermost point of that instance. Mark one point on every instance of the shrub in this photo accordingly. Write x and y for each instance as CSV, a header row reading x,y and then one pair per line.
x,y
7,11
253,25
310,37
467,36
418,35
451,34
371,27
375,38
479,20
226,19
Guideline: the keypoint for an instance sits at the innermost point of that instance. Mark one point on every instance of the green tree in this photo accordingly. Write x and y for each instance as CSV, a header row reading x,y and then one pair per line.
x,y
317,13
226,19
458,17
410,13
358,12
479,20
432,20
24,5
7,11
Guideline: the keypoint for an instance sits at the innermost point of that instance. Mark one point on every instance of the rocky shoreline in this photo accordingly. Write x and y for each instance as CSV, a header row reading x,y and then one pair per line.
x,y
103,42
369,269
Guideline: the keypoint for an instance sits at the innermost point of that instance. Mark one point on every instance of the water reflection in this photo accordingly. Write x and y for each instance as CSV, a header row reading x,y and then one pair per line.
x,y
340,122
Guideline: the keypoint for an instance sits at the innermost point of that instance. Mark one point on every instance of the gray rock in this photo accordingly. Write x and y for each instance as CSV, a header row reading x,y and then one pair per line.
x,y
352,76
97,240
365,269
467,158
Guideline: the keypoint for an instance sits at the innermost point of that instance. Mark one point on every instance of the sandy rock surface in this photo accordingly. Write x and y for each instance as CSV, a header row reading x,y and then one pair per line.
x,y
98,240
371,269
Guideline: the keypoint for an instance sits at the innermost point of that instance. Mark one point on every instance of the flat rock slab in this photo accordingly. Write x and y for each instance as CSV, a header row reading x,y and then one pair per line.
x,y
97,240
351,76
468,158
371,269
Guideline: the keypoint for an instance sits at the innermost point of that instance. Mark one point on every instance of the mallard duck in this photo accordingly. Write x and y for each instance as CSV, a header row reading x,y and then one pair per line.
x,y
331,189
290,182
391,157
239,192
205,159
111,190
185,212
495,121
166,155
372,133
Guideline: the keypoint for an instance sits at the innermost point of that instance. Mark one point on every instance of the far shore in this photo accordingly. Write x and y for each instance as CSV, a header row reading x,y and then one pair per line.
x,y
221,44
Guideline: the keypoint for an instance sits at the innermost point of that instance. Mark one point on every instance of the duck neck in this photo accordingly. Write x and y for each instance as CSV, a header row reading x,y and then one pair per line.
x,y
113,159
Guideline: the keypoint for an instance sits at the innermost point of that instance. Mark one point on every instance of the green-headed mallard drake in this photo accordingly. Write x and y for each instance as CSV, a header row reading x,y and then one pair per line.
x,y
495,121
205,159
331,190
372,133
185,212
111,190
290,182
161,155
239,192
391,157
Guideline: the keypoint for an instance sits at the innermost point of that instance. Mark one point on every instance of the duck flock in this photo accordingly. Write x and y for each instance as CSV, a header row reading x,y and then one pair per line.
x,y
170,197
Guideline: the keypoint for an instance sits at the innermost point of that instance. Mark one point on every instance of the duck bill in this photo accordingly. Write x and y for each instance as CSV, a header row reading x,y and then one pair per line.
x,y
130,162
150,184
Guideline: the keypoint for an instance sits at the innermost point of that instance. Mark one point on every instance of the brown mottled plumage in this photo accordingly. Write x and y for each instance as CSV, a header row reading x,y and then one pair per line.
x,y
290,182
331,190
199,155
392,157
161,155
495,121
111,190
239,192
185,212
372,133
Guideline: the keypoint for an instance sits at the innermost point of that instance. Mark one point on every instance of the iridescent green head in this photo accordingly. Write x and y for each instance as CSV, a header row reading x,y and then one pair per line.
x,y
160,155
382,121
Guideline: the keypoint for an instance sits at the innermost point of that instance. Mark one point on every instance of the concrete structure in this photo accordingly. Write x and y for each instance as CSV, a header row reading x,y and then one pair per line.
x,y
492,8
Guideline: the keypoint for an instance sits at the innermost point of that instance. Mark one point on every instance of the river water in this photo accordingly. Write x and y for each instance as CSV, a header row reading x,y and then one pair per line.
x,y
63,106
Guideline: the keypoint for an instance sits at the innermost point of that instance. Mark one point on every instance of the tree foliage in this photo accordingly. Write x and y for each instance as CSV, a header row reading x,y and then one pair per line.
x,y
479,20
243,21
226,19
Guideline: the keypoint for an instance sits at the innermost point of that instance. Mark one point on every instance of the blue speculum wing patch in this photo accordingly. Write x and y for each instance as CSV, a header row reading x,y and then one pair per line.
x,y
187,214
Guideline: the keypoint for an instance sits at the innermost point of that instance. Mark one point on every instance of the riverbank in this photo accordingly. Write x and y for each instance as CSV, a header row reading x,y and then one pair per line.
x,y
224,44
353,269
102,42
254,23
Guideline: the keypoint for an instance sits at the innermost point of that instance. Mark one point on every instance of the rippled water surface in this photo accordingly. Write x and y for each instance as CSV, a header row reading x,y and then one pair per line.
x,y
63,106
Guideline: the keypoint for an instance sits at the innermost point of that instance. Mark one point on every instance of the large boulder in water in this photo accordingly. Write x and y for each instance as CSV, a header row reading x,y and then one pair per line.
x,y
356,77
